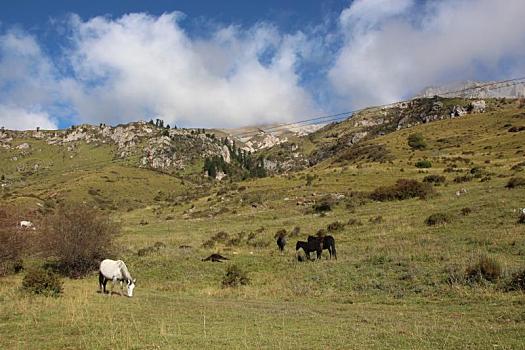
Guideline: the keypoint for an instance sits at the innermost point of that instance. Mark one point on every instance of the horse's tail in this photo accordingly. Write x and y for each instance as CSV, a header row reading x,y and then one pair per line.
x,y
333,249
100,279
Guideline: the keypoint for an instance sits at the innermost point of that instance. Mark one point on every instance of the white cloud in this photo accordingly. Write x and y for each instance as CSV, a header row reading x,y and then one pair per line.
x,y
27,83
392,52
139,66
15,118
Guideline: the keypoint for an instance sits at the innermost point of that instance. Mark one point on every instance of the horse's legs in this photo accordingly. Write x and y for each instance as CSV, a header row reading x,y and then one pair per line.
x,y
113,281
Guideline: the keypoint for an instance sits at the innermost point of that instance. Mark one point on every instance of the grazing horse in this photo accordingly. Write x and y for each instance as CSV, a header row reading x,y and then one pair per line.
x,y
281,242
324,242
310,246
115,270
26,224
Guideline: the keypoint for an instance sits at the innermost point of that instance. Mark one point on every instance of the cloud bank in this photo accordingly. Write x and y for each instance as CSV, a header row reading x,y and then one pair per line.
x,y
140,66
393,49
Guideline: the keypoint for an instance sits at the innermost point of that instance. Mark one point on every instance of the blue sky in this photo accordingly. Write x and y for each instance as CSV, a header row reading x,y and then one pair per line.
x,y
233,63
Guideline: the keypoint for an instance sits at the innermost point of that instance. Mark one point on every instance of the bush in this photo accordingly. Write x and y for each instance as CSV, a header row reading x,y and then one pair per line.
x,y
466,211
43,282
235,277
435,179
323,205
438,219
485,268
423,164
417,141
403,189
78,237
515,182
517,281
463,178
335,226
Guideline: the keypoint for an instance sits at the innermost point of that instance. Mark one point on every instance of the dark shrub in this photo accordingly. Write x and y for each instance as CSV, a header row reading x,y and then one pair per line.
x,y
416,141
324,205
41,281
335,226
463,178
235,277
438,219
478,171
517,282
435,179
78,237
422,164
485,268
515,182
145,251
517,128
466,211
403,189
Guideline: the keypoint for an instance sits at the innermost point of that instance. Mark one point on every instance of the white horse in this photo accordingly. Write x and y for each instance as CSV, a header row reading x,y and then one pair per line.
x,y
26,224
115,271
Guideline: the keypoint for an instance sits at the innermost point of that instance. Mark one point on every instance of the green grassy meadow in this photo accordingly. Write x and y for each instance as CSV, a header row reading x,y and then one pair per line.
x,y
389,288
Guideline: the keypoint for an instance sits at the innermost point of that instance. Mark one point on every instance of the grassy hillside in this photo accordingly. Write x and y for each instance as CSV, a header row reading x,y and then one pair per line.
x,y
397,282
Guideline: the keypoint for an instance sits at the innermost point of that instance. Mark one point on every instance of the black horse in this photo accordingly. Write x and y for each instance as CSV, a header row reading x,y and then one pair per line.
x,y
324,242
309,247
281,242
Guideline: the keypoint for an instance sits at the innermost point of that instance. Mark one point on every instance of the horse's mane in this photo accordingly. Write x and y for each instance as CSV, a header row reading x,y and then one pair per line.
x,y
124,271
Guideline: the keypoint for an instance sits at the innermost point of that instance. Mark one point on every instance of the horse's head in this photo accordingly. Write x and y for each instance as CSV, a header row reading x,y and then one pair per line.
x,y
131,286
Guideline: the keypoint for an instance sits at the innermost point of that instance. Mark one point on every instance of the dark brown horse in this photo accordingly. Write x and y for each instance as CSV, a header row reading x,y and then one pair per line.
x,y
322,243
309,247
